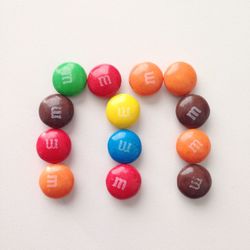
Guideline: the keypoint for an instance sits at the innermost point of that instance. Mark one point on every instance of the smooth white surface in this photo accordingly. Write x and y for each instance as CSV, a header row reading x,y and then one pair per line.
x,y
36,36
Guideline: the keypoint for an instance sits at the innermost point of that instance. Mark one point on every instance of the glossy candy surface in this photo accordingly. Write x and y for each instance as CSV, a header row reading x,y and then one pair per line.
x,y
56,111
124,146
146,78
69,79
194,181
53,145
104,80
193,146
123,181
122,110
180,78
56,181
192,111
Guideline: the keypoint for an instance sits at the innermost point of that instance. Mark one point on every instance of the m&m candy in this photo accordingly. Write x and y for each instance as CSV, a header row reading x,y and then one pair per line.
x,y
122,110
192,111
56,111
123,181
53,145
56,181
146,78
194,181
104,80
69,79
124,146
180,78
193,145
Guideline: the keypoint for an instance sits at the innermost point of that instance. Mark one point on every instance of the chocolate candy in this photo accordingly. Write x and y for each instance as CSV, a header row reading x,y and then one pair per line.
x,y
146,78
56,111
56,181
53,146
123,181
180,78
193,146
69,79
192,111
104,80
123,110
194,181
124,146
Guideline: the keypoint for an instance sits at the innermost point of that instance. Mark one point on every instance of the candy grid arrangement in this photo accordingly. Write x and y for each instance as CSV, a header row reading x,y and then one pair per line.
x,y
123,110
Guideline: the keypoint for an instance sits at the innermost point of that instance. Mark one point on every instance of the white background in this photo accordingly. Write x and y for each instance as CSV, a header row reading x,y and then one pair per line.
x,y
36,36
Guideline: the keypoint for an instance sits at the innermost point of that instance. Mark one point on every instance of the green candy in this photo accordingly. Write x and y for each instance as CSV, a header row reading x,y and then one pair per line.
x,y
69,79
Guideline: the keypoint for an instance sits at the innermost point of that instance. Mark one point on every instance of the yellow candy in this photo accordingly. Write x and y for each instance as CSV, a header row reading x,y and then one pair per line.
x,y
123,110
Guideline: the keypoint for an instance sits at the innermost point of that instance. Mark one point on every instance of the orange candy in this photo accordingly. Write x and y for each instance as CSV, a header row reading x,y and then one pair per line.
x,y
146,78
180,78
193,146
56,181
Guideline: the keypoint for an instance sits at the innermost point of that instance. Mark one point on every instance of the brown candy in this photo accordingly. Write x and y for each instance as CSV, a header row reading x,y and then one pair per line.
x,y
192,111
56,111
194,181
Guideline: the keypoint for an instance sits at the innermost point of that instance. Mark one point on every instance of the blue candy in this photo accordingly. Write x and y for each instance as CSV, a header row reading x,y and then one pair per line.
x,y
124,146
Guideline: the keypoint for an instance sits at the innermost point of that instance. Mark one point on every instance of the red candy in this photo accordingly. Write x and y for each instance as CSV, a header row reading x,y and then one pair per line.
x,y
53,145
104,80
123,181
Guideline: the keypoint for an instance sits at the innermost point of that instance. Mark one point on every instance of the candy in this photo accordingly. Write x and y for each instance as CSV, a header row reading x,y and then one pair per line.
x,y
56,111
104,80
69,79
193,146
56,181
123,181
122,110
192,111
124,146
194,181
146,78
53,145
180,78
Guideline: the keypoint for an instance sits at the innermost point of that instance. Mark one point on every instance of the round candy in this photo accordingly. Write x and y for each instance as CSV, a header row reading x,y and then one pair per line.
x,y
123,110
69,79
180,78
56,111
104,80
123,181
124,146
56,181
194,181
193,146
146,78
53,146
192,111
